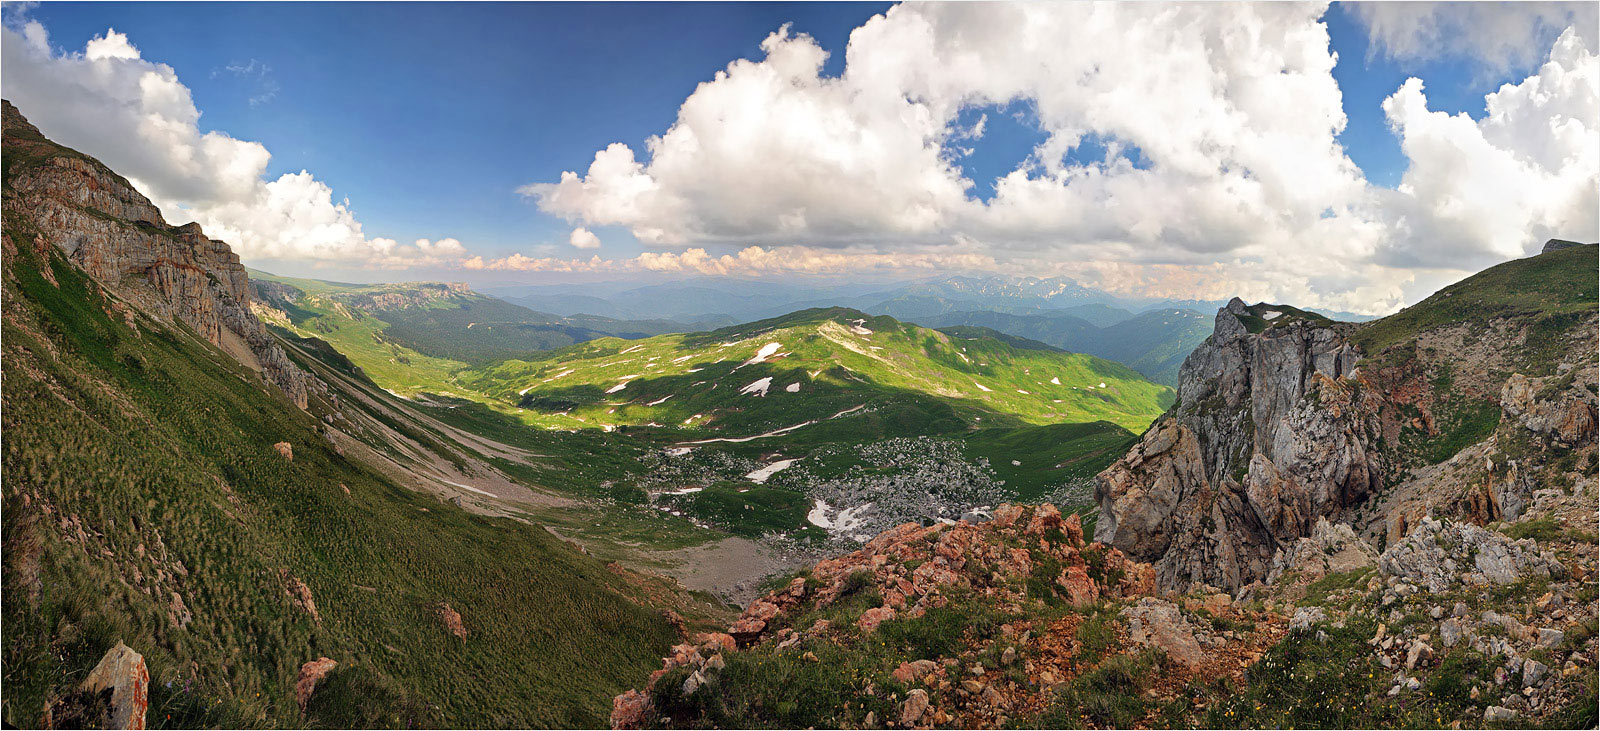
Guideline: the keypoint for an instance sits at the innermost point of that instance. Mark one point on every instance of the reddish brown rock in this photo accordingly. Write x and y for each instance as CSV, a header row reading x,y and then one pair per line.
x,y
452,620
311,673
1072,525
1017,562
630,710
871,618
285,450
1081,590
676,620
1007,515
1045,518
715,641
911,672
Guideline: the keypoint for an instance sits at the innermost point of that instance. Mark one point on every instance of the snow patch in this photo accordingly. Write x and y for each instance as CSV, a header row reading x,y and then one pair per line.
x,y
623,384
846,522
659,401
759,387
630,350
793,387
981,387
1269,314
760,476
761,355
1056,381
566,372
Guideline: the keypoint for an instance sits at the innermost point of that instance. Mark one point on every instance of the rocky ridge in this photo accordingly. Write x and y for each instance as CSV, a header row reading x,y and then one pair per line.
x,y
1037,621
119,237
1283,421
1245,462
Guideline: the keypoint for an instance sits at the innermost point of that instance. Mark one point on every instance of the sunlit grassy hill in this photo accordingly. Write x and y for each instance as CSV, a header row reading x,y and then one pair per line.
x,y
818,365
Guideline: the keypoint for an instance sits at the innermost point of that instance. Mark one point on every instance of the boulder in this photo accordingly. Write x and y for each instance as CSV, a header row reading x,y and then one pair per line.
x,y
115,695
631,710
912,708
870,619
1305,617
285,450
1499,714
1080,589
452,620
311,673
911,672
1159,624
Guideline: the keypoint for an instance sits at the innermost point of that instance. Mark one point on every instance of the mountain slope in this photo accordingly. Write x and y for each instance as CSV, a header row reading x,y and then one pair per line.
x,y
158,491
813,365
1153,342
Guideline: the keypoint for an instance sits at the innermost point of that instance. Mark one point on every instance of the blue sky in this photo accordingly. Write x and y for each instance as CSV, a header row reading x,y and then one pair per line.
x,y
429,117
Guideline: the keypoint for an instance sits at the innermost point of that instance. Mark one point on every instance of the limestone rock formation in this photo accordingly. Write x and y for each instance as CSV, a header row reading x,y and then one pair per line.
x,y
1270,433
1330,549
119,237
1157,623
1440,554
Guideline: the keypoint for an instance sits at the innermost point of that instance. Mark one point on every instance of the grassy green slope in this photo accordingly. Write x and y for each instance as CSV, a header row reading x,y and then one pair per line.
x,y
837,360
437,331
1551,292
140,466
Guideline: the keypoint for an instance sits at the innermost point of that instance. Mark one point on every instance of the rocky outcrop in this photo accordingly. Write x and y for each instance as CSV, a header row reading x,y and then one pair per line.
x,y
1158,624
1271,432
913,569
311,673
1332,548
119,237
1558,408
115,695
1440,554
404,296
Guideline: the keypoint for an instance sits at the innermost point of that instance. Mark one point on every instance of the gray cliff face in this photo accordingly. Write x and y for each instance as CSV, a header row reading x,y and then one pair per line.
x,y
1271,431
116,235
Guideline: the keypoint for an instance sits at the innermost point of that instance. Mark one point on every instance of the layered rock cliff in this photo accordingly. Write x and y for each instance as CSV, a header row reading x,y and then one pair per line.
x,y
119,237
1271,431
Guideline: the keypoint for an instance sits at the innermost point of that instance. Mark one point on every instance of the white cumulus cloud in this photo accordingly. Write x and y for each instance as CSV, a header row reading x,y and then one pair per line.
x,y
583,238
1220,125
138,118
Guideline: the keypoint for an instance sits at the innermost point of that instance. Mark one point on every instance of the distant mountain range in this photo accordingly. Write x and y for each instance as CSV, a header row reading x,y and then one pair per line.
x,y
1152,336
